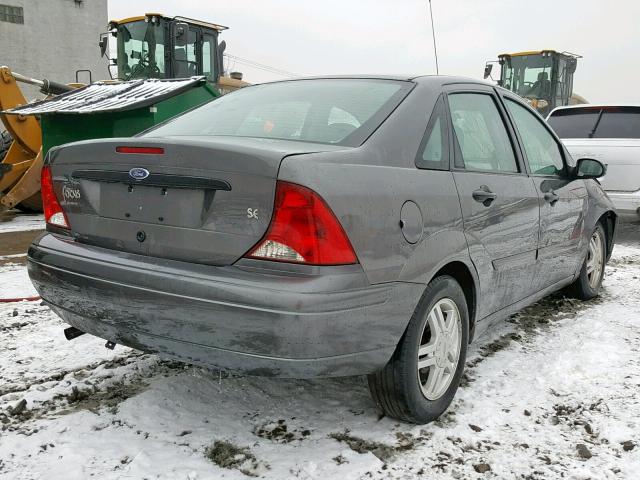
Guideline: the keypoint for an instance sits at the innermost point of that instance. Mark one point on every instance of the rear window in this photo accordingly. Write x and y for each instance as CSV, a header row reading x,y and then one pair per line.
x,y
334,111
597,122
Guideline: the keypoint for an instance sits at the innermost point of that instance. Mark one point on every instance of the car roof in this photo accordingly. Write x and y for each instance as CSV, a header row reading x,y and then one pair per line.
x,y
416,78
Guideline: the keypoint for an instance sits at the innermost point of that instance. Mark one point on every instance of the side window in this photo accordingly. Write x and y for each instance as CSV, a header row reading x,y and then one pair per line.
x,y
185,56
208,56
433,153
480,134
543,152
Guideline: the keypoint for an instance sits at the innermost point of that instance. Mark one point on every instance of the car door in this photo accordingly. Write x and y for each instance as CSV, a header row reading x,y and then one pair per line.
x,y
186,51
563,202
499,201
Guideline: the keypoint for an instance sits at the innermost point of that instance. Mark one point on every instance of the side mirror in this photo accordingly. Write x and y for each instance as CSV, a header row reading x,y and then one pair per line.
x,y
487,70
181,34
590,168
103,43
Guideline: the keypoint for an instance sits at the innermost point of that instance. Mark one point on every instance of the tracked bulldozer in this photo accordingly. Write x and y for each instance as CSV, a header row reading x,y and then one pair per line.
x,y
544,78
153,51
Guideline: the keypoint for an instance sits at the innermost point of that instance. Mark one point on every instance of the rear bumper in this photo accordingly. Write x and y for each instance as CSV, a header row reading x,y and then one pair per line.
x,y
302,322
627,204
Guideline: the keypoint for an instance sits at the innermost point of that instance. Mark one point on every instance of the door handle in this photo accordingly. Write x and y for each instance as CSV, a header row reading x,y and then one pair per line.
x,y
484,196
551,197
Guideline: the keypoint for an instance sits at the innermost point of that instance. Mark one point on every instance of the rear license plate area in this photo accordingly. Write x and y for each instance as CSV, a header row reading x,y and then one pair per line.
x,y
176,207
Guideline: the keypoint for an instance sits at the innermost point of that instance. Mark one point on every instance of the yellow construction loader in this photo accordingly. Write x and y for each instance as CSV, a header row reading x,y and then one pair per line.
x,y
148,46
544,78
21,143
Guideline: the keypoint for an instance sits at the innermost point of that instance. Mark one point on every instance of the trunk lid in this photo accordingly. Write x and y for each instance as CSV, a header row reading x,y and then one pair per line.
x,y
203,200
621,156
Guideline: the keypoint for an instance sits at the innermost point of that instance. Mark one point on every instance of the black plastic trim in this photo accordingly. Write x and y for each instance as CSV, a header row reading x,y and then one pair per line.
x,y
153,180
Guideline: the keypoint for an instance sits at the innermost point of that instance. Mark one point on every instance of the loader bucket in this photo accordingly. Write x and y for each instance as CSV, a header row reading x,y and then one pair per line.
x,y
24,140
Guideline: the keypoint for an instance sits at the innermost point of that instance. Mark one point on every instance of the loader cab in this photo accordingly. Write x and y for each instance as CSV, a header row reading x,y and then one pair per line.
x,y
543,78
155,46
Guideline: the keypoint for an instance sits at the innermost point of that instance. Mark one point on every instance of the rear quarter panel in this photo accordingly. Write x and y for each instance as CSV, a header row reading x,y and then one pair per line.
x,y
366,187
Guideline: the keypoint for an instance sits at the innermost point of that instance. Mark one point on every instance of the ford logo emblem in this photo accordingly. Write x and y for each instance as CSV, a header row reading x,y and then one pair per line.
x,y
138,173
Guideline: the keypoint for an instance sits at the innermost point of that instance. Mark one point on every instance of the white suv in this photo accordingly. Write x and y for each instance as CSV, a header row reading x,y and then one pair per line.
x,y
611,134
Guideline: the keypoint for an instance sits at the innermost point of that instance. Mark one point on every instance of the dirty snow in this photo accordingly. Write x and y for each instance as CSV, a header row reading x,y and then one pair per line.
x,y
554,392
14,281
12,222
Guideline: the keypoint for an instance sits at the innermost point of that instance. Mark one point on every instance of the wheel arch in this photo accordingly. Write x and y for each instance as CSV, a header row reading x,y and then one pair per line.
x,y
462,274
609,221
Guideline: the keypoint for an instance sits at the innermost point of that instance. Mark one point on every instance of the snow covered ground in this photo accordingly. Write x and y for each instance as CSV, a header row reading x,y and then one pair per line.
x,y
20,222
554,392
14,281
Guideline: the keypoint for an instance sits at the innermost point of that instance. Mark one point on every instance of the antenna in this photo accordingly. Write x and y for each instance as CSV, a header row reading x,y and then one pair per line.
x,y
433,32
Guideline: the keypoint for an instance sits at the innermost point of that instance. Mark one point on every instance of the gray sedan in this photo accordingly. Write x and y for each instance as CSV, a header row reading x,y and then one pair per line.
x,y
323,227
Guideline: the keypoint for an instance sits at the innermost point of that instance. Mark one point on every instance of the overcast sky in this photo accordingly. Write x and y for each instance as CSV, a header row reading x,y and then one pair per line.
x,y
394,36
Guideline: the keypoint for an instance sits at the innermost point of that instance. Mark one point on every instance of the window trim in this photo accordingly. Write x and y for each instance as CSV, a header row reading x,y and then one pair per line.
x,y
503,98
197,51
213,56
439,111
485,90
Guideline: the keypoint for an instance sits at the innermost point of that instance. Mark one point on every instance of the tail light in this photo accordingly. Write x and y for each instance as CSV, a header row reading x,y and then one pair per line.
x,y
53,213
303,229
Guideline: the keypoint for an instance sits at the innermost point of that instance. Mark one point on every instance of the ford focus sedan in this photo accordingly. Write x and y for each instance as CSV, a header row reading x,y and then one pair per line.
x,y
323,227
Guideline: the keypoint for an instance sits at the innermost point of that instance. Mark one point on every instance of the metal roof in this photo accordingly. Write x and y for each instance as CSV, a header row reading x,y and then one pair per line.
x,y
539,52
109,97
192,21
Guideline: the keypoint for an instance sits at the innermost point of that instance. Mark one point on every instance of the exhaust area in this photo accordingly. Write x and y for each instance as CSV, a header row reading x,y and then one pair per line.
x,y
72,332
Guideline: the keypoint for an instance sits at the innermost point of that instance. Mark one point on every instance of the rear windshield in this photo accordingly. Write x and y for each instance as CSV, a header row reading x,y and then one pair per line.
x,y
334,111
597,122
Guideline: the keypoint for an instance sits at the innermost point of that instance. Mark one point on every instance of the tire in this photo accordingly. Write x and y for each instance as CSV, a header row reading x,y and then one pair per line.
x,y
33,204
400,389
589,282
5,142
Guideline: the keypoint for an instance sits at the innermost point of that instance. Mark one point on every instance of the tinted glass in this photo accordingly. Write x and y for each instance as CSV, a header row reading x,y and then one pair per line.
x,y
185,56
563,83
597,122
481,134
543,152
433,152
208,56
141,51
336,111
528,75
573,123
619,122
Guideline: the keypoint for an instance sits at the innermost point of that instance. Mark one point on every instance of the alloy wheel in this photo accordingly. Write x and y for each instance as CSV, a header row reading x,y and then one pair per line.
x,y
439,350
595,259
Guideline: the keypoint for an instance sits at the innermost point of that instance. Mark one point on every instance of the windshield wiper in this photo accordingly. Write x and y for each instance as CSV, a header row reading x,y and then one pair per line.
x,y
593,130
